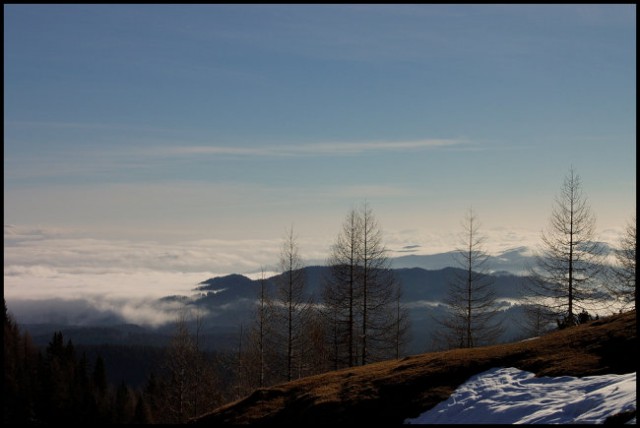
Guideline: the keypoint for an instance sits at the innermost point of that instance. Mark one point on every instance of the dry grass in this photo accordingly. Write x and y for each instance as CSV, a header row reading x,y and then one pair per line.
x,y
390,391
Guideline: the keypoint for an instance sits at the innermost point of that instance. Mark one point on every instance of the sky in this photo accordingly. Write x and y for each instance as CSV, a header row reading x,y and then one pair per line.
x,y
162,144
512,396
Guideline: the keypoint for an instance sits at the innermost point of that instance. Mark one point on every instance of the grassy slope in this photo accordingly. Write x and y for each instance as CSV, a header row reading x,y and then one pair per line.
x,y
390,391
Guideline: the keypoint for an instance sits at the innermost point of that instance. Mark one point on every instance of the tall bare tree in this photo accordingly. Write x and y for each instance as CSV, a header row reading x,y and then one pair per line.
x,y
377,282
260,355
293,306
318,358
401,325
623,282
570,260
360,293
342,290
190,388
471,298
262,327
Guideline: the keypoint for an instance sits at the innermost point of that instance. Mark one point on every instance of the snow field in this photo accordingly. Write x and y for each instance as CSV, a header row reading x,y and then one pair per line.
x,y
512,396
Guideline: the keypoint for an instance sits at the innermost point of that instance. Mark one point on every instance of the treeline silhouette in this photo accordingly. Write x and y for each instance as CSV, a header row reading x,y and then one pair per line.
x,y
55,385
59,384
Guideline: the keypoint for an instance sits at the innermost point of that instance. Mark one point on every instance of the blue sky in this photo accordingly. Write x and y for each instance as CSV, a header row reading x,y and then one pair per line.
x,y
229,123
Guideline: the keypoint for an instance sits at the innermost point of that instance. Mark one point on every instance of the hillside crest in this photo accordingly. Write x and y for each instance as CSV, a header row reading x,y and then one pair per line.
x,y
392,391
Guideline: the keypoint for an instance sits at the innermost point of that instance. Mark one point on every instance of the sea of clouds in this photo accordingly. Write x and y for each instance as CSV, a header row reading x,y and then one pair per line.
x,y
126,277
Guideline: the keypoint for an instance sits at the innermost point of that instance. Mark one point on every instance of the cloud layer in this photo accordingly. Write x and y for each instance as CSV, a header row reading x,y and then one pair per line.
x,y
125,278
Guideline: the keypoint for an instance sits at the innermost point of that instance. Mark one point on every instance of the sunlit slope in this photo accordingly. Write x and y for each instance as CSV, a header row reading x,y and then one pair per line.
x,y
392,391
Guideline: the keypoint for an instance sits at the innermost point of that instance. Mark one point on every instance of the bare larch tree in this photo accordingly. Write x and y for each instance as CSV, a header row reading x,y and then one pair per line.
x,y
258,356
473,310
191,387
564,277
623,281
401,324
361,294
342,291
292,306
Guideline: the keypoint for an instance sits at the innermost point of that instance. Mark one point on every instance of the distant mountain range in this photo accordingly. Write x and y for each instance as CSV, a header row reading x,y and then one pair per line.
x,y
418,285
423,277
515,261
232,298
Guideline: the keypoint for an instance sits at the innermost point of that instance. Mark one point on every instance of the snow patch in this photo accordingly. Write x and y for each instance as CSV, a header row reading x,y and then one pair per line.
x,y
512,396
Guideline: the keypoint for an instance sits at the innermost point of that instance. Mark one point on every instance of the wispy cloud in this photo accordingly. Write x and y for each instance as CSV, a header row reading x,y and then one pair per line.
x,y
309,149
152,154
